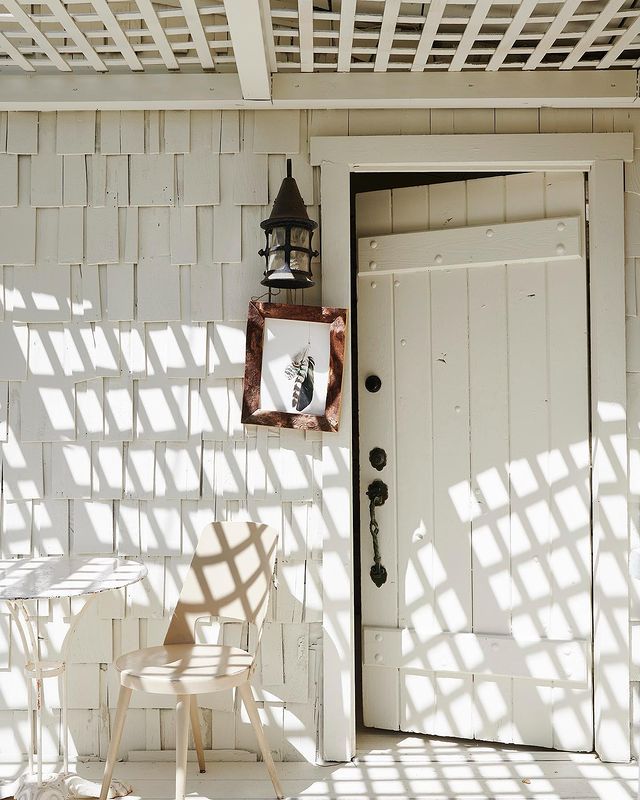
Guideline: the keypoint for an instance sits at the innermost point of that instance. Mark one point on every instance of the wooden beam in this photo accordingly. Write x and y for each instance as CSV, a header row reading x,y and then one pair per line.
x,y
609,492
268,33
345,40
573,89
477,152
589,36
305,30
157,33
120,38
387,33
511,34
338,675
480,246
32,30
577,89
428,35
65,19
196,30
471,30
249,48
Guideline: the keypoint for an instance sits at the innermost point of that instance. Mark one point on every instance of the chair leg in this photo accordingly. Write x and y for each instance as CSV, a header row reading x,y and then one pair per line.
x,y
197,733
116,735
252,710
182,744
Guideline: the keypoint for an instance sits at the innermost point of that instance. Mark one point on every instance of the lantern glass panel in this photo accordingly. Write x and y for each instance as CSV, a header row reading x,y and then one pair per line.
x,y
299,237
278,237
276,260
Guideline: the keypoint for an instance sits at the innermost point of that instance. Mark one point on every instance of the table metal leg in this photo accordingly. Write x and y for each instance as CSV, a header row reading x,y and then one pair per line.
x,y
57,786
39,705
32,744
64,725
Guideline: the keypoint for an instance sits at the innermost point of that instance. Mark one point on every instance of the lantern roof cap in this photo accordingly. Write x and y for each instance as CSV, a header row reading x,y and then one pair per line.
x,y
289,205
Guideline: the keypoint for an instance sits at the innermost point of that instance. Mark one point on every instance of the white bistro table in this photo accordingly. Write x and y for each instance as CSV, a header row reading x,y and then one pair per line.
x,y
56,577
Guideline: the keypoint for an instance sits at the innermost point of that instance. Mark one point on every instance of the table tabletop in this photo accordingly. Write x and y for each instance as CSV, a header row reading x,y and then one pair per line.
x,y
52,577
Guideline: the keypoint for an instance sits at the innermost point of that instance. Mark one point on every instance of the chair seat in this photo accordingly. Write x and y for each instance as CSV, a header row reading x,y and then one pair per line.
x,y
184,668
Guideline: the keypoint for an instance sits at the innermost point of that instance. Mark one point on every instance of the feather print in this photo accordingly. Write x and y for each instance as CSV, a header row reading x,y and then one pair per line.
x,y
305,389
301,372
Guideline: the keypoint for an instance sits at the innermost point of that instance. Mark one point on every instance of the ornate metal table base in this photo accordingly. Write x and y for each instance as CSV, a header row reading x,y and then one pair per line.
x,y
61,785
64,786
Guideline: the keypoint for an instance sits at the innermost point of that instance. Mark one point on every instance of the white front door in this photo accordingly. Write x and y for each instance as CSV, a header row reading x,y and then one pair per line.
x,y
472,312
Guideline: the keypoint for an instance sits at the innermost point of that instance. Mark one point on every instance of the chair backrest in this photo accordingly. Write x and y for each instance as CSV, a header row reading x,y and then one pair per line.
x,y
230,576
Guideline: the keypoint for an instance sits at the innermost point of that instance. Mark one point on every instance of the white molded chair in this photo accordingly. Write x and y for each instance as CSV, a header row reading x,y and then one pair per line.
x,y
230,575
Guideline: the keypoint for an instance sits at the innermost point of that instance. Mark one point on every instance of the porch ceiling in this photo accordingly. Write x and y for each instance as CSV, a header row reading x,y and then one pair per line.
x,y
256,38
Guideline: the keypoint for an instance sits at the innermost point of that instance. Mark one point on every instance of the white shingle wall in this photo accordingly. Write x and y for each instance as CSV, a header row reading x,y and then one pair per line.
x,y
128,253
130,243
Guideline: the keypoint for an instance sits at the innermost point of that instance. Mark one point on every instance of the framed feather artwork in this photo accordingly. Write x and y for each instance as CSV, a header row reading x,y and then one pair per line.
x,y
294,364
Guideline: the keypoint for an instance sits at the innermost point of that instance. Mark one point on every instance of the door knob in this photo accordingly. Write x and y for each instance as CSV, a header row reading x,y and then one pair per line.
x,y
378,458
372,383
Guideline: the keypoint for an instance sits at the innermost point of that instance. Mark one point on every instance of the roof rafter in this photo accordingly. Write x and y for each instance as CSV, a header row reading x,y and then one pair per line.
x,y
588,37
627,37
194,23
472,29
305,27
32,30
14,54
250,48
518,22
65,19
557,26
387,33
117,34
157,33
345,41
427,38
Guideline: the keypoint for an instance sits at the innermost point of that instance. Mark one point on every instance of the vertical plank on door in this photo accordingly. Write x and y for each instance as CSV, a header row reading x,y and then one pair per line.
x,y
529,445
375,356
489,423
452,528
414,441
570,556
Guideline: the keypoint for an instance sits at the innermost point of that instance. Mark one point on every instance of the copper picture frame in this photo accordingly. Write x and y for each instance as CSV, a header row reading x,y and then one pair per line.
x,y
293,365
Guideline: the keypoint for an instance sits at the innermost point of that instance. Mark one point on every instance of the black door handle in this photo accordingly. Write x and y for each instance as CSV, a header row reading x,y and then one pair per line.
x,y
378,493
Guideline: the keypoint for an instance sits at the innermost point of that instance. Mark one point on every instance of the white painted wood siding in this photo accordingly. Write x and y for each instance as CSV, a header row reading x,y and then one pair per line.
x,y
130,243
72,309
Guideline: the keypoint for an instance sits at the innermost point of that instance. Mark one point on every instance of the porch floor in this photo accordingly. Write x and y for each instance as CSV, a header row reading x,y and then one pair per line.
x,y
389,766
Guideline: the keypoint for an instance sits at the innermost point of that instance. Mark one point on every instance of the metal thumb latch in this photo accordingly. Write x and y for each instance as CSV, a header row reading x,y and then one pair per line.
x,y
377,492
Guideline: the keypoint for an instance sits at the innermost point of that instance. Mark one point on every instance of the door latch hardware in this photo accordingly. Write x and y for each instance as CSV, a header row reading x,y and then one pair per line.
x,y
378,493
378,458
372,383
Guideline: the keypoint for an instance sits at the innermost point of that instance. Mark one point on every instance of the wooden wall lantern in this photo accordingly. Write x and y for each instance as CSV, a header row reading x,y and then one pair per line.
x,y
294,365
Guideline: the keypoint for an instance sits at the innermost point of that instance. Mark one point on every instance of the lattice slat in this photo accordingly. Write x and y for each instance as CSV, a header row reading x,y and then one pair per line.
x,y
455,35
114,35
320,35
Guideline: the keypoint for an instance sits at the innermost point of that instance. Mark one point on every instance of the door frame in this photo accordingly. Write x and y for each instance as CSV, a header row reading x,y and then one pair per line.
x,y
602,157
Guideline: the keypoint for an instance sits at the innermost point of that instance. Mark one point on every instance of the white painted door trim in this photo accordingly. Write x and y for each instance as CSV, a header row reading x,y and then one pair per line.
x,y
602,157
